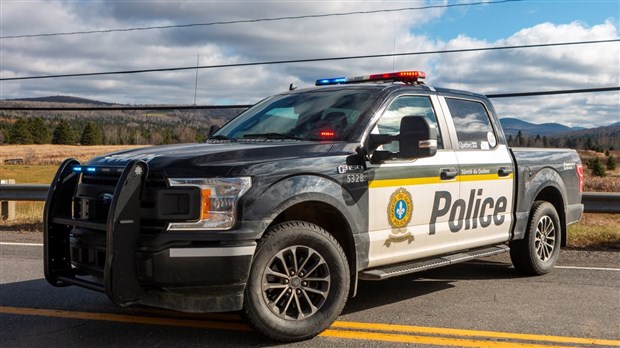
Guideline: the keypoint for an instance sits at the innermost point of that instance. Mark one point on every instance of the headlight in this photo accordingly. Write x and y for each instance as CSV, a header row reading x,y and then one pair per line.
x,y
218,200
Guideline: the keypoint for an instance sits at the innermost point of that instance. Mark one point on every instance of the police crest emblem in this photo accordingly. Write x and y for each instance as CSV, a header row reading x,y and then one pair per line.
x,y
399,212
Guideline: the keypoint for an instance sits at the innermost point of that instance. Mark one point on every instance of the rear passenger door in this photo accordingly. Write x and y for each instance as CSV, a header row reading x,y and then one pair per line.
x,y
401,191
483,213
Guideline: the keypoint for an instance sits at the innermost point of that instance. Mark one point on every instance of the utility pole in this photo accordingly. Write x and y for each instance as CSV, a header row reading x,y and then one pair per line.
x,y
196,82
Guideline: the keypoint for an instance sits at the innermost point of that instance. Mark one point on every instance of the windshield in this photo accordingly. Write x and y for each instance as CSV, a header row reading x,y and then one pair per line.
x,y
325,114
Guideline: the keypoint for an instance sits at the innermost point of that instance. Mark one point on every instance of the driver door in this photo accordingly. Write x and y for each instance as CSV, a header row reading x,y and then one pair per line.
x,y
401,192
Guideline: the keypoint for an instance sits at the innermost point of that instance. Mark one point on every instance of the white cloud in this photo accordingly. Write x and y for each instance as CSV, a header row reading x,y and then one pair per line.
x,y
542,69
568,67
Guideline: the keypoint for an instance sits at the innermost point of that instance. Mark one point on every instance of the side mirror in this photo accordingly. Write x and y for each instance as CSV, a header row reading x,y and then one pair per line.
x,y
212,129
417,138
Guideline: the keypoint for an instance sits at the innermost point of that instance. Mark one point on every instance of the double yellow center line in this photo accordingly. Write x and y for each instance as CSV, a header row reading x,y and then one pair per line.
x,y
340,329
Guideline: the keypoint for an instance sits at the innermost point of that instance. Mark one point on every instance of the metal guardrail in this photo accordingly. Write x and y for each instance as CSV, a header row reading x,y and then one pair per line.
x,y
601,202
594,202
23,192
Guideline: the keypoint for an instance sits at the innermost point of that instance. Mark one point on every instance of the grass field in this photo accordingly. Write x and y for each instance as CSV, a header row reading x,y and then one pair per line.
x,y
53,155
41,163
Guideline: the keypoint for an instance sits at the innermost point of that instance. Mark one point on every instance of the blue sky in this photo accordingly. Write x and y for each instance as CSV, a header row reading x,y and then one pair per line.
x,y
496,21
475,26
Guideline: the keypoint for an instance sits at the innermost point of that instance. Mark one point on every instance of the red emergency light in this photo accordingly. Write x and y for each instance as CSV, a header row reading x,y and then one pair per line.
x,y
400,76
327,134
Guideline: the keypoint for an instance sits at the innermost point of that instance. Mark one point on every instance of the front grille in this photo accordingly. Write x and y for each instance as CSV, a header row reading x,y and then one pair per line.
x,y
92,203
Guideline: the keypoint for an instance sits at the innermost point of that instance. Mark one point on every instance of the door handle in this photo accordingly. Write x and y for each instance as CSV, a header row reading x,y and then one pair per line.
x,y
448,173
504,171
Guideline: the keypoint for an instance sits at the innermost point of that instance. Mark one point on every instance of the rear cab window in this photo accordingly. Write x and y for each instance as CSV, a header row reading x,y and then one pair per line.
x,y
473,126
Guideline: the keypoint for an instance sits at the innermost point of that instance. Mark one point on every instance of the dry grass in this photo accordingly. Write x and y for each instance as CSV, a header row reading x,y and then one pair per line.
x,y
55,154
609,183
28,218
600,231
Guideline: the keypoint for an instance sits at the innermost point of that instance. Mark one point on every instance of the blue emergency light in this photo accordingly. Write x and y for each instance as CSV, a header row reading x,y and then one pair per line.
x,y
400,76
80,169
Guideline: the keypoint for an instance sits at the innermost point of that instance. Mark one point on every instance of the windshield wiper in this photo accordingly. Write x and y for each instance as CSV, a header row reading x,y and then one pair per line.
x,y
274,136
221,137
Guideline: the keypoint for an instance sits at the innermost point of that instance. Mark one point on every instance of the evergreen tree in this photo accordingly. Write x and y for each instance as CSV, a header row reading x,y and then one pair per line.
x,y
598,148
510,140
611,162
519,140
63,134
20,133
538,141
571,143
596,166
91,135
39,130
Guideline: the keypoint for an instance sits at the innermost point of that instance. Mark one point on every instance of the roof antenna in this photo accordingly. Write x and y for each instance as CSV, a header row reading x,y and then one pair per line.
x,y
394,55
292,87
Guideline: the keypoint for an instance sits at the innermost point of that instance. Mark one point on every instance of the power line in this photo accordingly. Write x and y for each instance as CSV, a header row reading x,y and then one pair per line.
x,y
245,106
571,91
120,108
341,14
275,62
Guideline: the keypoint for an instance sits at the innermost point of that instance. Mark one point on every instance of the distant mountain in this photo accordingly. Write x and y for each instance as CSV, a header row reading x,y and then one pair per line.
x,y
617,124
63,99
513,126
611,132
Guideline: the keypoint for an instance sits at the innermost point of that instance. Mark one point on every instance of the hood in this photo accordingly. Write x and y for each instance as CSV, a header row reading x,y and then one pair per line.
x,y
190,157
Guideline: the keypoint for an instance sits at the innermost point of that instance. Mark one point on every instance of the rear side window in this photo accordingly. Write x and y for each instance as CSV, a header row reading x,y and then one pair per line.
x,y
472,123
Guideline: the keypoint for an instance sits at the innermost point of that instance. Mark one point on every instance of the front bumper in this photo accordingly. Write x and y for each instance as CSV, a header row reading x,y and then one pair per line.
x,y
109,255
203,279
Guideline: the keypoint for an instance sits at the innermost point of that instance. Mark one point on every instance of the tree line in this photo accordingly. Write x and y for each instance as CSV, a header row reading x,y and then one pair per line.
x,y
604,142
116,128
63,132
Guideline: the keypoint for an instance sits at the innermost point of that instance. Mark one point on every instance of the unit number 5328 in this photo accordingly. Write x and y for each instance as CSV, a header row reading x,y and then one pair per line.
x,y
353,178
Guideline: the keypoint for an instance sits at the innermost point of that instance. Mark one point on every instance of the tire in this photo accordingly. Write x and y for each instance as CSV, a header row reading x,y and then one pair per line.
x,y
298,284
537,253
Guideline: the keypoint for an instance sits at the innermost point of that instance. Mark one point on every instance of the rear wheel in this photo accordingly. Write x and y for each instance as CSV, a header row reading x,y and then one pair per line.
x,y
298,284
537,253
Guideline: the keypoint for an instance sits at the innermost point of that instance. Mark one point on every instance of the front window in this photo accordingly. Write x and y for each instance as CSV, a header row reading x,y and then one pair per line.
x,y
326,114
401,107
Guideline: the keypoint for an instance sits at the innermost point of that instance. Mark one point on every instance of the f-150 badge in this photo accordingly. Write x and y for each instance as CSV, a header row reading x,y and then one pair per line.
x,y
400,209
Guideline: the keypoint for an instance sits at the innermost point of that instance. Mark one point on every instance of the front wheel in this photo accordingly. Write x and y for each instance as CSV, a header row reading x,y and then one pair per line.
x,y
537,253
298,284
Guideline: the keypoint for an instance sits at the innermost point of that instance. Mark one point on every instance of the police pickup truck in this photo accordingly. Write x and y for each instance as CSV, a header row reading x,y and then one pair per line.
x,y
287,206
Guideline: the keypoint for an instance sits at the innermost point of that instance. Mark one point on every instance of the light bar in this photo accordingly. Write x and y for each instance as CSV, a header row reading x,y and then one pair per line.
x,y
401,76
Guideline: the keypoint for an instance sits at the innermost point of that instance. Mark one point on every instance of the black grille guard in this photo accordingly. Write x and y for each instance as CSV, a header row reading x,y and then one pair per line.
x,y
122,228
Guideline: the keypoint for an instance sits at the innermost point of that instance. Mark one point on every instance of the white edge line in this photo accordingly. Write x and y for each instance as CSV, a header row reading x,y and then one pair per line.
x,y
22,244
589,268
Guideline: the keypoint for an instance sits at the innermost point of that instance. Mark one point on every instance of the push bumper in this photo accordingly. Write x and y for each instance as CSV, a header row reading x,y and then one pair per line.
x,y
104,255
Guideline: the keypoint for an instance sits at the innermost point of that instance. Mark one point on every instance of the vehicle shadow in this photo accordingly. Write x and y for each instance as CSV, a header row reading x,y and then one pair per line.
x,y
414,285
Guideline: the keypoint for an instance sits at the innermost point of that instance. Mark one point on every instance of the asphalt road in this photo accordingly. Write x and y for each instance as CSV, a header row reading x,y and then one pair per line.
x,y
477,304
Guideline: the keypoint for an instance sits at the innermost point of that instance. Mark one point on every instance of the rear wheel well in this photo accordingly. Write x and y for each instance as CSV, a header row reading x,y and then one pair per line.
x,y
331,220
552,195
